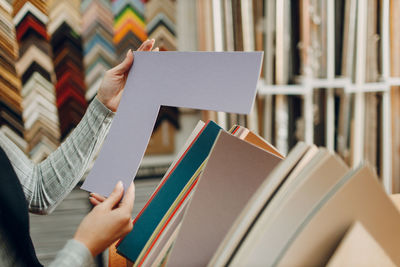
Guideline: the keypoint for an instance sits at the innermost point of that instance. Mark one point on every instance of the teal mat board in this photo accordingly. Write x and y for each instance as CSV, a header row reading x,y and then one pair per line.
x,y
133,243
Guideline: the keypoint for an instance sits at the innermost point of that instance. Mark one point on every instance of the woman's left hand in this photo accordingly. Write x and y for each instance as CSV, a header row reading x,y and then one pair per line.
x,y
108,221
114,80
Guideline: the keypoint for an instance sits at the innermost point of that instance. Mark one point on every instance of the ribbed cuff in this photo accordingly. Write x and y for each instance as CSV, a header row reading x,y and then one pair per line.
x,y
98,109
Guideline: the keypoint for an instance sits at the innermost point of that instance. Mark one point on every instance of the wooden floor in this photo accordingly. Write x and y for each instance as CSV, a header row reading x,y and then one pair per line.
x,y
49,233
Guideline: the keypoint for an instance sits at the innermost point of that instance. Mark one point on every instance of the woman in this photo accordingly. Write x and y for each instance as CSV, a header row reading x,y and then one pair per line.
x,y
40,188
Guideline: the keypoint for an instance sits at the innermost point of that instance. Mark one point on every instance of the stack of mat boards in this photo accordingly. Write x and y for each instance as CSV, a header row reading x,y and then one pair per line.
x,y
129,25
209,156
177,177
98,47
11,122
231,199
166,231
161,26
35,67
304,208
65,27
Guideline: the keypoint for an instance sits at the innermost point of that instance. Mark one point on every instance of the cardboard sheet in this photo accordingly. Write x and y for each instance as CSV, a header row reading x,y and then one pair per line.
x,y
234,171
221,81
258,201
289,207
359,248
359,196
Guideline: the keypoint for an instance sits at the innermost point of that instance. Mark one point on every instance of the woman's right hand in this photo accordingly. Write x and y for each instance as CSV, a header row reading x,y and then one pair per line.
x,y
108,221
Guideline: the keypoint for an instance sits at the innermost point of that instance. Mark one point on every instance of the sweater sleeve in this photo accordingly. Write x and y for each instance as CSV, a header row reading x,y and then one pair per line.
x,y
74,253
46,184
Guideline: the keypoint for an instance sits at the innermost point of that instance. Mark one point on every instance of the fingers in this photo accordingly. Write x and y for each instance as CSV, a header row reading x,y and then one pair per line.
x,y
115,196
149,45
125,65
142,45
157,49
146,45
96,199
129,198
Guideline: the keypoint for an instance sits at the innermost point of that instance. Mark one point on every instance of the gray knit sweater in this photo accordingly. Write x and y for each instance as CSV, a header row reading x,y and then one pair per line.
x,y
46,184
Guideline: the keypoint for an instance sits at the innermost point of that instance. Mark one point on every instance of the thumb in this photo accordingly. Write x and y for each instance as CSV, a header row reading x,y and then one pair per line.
x,y
115,196
129,198
126,64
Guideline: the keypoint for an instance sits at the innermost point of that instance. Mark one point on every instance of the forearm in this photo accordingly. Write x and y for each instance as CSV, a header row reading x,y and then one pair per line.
x,y
74,253
47,183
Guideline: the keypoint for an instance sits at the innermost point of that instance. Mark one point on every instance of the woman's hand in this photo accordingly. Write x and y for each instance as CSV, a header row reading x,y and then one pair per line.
x,y
108,221
114,80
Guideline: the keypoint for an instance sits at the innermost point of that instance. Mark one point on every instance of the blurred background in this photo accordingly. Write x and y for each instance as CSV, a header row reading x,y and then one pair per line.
x,y
330,76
